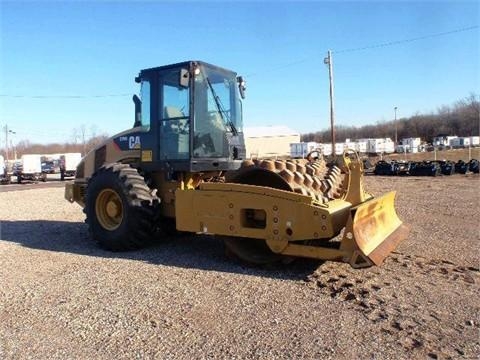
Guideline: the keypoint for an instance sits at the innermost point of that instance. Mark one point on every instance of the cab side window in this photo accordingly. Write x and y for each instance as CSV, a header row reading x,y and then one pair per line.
x,y
145,96
175,102
174,123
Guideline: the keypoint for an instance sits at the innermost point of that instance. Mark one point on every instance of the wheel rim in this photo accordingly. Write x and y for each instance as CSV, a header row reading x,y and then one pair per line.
x,y
109,209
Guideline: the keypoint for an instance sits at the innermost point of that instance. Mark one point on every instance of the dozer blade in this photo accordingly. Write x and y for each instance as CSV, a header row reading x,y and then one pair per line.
x,y
377,229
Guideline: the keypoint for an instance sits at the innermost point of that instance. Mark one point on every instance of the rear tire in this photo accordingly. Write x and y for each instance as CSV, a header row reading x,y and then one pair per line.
x,y
120,208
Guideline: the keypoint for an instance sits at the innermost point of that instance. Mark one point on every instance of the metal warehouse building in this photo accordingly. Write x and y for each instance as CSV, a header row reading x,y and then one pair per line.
x,y
269,141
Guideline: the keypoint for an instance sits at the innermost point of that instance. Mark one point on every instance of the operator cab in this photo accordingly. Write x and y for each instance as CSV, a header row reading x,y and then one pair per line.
x,y
191,116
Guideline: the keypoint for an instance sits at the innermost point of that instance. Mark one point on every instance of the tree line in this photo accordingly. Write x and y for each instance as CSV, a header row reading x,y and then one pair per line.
x,y
460,119
82,141
27,147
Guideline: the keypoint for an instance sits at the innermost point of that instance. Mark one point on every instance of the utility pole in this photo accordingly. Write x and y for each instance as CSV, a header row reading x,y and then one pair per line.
x,y
14,150
329,61
84,130
7,131
395,108
6,142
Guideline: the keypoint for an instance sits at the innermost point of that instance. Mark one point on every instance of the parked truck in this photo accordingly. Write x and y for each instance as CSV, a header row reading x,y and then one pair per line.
x,y
30,169
68,164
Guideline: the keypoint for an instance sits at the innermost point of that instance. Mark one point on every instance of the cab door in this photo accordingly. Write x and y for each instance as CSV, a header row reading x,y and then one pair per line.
x,y
174,117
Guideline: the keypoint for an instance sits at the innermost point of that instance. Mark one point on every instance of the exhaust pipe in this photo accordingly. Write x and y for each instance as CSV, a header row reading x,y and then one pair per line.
x,y
138,110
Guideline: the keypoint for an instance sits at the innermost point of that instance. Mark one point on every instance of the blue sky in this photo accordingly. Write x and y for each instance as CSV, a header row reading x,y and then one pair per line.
x,y
97,48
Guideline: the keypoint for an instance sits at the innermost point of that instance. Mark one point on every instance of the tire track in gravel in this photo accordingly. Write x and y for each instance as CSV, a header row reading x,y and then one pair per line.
x,y
434,289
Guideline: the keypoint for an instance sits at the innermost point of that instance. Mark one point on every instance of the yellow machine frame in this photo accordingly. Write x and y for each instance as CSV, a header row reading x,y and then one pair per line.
x,y
290,223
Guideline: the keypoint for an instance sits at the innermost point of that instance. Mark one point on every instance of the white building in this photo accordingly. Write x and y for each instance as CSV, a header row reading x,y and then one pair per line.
x,y
269,141
301,149
326,149
443,140
410,145
3,168
361,147
379,145
460,142
340,147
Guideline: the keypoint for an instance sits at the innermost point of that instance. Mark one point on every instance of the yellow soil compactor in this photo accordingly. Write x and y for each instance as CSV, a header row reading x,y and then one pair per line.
x,y
182,167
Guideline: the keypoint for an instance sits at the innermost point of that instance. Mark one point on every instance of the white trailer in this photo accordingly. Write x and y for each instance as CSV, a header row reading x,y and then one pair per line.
x,y
361,147
301,149
389,146
410,145
358,146
3,169
460,142
340,147
443,141
380,146
326,149
68,164
4,175
474,140
30,168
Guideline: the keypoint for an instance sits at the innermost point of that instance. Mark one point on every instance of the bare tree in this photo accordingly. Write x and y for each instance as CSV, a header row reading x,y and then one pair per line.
x,y
461,119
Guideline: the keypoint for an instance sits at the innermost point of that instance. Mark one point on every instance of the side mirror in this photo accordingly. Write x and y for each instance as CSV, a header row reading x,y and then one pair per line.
x,y
184,78
241,86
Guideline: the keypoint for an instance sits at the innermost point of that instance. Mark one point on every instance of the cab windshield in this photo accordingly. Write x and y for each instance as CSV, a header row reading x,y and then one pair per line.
x,y
217,111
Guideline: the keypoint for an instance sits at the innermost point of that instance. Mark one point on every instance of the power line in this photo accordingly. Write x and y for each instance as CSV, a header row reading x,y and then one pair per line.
x,y
398,42
390,43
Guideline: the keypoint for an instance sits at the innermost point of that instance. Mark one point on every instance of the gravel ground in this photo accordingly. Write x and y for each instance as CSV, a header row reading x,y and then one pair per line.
x,y
62,297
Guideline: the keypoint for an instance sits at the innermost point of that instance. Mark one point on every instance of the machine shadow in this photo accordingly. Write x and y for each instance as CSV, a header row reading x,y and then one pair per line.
x,y
184,251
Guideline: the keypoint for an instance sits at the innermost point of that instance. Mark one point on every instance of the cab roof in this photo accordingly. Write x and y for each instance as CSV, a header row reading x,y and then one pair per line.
x,y
186,64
